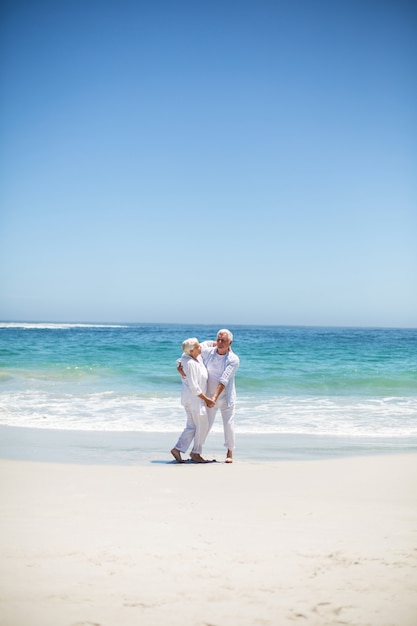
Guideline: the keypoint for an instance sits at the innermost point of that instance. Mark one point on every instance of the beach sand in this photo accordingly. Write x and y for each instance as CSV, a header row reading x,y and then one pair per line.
x,y
312,542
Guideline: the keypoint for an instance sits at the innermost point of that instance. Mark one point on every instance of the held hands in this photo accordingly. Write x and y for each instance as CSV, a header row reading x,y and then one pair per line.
x,y
208,401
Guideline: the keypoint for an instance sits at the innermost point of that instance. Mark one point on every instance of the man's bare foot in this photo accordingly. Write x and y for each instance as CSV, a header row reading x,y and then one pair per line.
x,y
229,457
177,455
197,458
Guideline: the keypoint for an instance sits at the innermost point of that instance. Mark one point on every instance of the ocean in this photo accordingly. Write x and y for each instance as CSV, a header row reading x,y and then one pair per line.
x,y
347,382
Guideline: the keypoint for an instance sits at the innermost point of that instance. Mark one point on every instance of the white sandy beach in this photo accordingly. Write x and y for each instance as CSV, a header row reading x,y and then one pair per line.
x,y
249,544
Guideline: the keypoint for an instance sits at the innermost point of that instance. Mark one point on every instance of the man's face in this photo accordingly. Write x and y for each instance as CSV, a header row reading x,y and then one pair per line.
x,y
223,343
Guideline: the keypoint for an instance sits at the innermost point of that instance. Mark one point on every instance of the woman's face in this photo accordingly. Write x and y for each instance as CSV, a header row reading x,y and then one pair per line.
x,y
196,351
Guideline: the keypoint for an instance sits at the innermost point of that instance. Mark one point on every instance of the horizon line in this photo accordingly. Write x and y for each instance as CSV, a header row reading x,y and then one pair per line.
x,y
119,324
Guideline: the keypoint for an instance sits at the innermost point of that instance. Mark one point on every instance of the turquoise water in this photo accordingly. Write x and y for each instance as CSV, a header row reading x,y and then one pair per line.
x,y
337,381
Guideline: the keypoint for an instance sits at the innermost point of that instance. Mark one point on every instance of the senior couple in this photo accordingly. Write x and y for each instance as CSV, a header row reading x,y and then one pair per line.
x,y
208,384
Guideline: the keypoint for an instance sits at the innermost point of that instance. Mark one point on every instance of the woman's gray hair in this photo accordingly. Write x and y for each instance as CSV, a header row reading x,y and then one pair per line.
x,y
189,344
225,331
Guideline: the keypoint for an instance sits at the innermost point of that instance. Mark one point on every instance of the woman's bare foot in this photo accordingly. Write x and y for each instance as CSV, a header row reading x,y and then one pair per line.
x,y
229,457
197,458
177,455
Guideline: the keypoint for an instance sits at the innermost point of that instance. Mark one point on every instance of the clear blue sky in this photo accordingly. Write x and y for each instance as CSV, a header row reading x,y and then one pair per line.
x,y
231,162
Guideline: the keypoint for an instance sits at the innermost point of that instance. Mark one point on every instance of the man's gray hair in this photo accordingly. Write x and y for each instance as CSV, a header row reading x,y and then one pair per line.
x,y
225,331
189,344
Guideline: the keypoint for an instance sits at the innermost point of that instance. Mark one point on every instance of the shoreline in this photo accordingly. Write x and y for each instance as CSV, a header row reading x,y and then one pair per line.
x,y
130,448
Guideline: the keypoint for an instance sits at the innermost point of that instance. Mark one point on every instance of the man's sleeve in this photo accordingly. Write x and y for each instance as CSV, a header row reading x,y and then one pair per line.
x,y
229,371
209,343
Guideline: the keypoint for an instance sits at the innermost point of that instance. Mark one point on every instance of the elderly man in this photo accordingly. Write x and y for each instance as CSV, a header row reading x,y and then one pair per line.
x,y
221,363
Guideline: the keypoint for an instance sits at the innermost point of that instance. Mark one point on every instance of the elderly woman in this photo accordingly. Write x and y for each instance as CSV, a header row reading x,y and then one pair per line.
x,y
194,401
